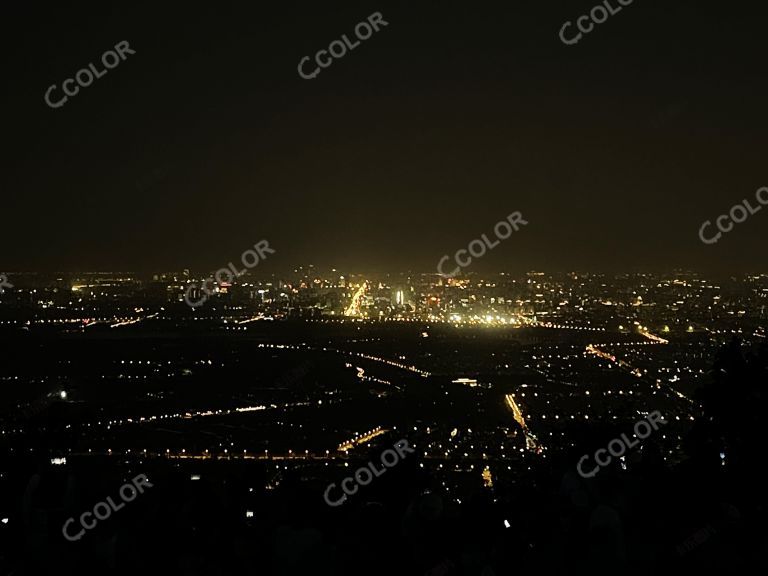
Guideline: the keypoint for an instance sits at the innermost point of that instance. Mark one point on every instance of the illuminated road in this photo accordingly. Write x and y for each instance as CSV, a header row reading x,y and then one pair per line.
x,y
531,442
400,365
361,440
653,340
133,321
653,337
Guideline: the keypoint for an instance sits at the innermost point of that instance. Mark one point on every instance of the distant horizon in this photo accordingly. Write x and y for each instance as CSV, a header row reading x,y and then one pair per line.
x,y
354,273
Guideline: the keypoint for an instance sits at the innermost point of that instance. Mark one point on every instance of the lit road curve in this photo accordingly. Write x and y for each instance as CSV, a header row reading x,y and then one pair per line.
x,y
531,442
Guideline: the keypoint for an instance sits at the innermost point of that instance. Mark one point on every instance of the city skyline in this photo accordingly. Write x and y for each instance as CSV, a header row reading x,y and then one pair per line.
x,y
329,395
383,287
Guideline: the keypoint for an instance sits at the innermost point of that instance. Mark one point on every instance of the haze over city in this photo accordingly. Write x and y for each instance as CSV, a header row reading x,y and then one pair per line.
x,y
616,149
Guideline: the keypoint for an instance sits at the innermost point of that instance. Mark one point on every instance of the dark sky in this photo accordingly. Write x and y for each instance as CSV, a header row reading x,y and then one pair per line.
x,y
458,113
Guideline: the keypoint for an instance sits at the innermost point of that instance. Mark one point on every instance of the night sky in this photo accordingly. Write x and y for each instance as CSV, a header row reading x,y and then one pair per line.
x,y
455,115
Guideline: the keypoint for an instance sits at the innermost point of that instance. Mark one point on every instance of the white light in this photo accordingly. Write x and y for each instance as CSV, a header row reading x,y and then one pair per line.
x,y
507,524
249,513
195,477
63,394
